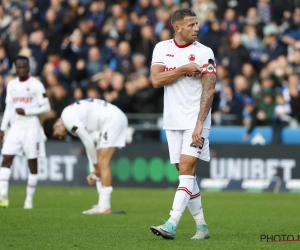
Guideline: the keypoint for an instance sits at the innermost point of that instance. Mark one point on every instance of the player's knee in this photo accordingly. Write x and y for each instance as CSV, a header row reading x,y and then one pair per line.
x,y
7,161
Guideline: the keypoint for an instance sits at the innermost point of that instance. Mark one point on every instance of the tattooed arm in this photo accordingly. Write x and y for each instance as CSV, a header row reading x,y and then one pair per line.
x,y
208,91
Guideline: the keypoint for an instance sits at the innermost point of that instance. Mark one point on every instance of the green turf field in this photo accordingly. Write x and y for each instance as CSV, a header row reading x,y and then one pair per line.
x,y
235,220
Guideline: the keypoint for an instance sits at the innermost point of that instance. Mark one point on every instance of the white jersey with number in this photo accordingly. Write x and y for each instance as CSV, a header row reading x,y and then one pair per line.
x,y
89,114
28,95
182,96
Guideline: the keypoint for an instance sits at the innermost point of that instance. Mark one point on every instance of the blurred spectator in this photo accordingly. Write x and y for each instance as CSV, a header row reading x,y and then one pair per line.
x,y
214,38
250,74
122,60
234,106
145,96
4,63
264,11
53,28
230,24
78,94
234,55
116,12
118,96
60,99
96,13
165,35
163,21
71,48
248,111
5,19
147,43
94,62
92,92
263,115
10,40
202,8
273,48
64,74
39,45
119,31
252,19
139,66
282,117
253,44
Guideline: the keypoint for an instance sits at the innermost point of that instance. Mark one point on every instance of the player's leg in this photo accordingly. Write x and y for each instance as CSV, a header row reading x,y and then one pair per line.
x,y
11,147
112,136
196,210
31,183
31,147
98,180
174,138
185,188
104,205
4,179
195,203
104,158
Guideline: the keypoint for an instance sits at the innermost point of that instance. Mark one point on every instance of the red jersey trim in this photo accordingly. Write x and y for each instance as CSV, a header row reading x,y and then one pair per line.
x,y
181,46
24,79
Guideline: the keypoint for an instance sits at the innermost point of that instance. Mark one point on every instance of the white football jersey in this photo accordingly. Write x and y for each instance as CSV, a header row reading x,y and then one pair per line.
x,y
182,97
28,95
91,114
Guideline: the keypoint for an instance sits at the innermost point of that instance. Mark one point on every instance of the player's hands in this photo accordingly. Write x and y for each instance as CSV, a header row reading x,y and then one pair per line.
x,y
91,178
192,69
20,111
1,137
196,137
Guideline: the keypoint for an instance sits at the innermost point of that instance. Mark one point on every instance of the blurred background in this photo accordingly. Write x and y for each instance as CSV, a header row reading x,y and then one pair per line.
x,y
103,49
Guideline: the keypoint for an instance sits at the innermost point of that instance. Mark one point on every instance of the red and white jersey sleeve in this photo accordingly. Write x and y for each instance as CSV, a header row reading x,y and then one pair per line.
x,y
158,54
182,96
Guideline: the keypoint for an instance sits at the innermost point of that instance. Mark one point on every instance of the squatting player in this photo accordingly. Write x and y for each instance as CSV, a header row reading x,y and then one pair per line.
x,y
25,100
83,118
186,69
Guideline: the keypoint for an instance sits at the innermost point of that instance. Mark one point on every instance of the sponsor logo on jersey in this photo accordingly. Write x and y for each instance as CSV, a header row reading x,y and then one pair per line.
x,y
27,89
22,99
192,58
170,55
169,69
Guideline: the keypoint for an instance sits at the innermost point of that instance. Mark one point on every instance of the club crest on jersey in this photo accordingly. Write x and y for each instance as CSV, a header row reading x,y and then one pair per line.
x,y
192,58
27,89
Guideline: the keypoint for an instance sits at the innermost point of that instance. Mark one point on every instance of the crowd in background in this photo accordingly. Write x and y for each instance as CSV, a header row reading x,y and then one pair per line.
x,y
103,49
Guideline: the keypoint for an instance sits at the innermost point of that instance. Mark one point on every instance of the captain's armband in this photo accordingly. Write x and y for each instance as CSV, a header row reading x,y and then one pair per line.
x,y
209,68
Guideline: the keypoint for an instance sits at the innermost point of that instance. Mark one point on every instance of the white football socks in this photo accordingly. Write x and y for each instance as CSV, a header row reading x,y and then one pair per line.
x,y
182,197
105,195
98,186
31,186
4,181
195,205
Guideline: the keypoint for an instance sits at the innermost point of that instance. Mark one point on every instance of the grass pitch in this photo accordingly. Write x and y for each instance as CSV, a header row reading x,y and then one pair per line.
x,y
235,220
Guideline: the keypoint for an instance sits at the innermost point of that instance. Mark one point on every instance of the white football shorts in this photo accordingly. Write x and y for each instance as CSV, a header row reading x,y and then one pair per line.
x,y
113,133
180,142
24,139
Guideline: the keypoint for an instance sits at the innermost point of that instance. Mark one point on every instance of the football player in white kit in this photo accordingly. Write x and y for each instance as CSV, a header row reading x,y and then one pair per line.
x,y
187,71
83,118
25,100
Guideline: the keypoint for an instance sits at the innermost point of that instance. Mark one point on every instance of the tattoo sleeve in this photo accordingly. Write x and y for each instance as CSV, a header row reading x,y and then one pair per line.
x,y
208,90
